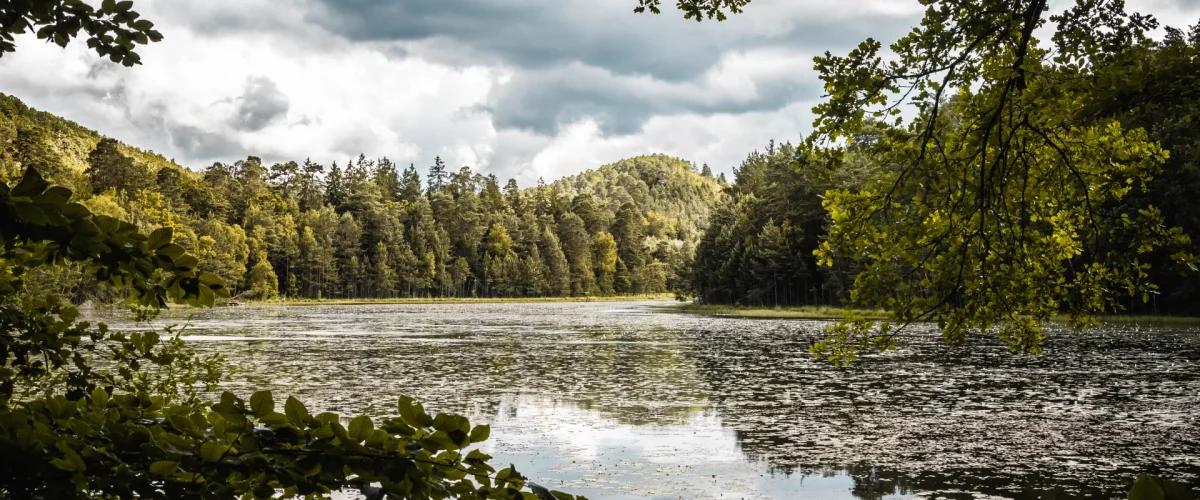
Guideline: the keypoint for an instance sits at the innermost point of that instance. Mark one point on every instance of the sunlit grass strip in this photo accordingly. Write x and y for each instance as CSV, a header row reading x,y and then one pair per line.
x,y
1149,320
458,300
807,312
836,313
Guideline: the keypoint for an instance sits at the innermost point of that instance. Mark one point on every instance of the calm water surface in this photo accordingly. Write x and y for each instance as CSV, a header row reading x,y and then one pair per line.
x,y
618,400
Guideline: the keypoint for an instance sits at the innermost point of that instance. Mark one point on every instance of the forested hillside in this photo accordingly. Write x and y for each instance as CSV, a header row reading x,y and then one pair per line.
x,y
371,228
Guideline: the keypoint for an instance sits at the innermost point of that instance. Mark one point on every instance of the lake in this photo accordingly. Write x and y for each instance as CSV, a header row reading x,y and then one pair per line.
x,y
621,400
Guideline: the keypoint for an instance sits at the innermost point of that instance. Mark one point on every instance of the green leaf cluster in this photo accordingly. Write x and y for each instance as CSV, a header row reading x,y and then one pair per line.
x,y
114,30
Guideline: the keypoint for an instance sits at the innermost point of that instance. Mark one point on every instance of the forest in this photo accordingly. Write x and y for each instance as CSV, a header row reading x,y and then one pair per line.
x,y
369,228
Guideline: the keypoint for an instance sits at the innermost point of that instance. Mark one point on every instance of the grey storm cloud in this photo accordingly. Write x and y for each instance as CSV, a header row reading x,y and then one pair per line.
x,y
543,101
554,46
535,34
195,142
261,104
189,141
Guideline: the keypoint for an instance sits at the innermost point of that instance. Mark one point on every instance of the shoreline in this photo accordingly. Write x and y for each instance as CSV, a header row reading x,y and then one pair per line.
x,y
836,313
799,312
447,300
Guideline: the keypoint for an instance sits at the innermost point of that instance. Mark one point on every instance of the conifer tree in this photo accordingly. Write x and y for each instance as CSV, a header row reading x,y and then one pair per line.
x,y
604,253
438,176
335,187
410,188
558,270
577,247
382,276
512,194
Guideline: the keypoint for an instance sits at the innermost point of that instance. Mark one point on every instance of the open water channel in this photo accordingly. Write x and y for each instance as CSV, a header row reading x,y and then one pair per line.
x,y
619,400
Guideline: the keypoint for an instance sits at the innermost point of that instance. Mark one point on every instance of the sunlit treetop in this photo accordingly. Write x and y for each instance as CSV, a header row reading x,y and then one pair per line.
x,y
114,30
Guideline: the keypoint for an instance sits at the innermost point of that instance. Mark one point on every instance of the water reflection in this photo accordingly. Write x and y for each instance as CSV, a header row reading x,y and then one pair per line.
x,y
580,450
742,398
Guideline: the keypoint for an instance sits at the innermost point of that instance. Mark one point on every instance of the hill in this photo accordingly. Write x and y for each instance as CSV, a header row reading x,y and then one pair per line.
x,y
61,146
667,190
370,229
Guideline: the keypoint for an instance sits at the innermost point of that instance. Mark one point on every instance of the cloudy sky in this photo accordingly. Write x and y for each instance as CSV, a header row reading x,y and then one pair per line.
x,y
519,88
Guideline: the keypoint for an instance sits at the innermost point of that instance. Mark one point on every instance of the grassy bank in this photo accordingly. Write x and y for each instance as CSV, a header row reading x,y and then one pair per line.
x,y
808,312
457,300
1149,320
835,313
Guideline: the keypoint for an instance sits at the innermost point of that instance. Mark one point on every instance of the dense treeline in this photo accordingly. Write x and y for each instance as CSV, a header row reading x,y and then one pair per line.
x,y
758,249
1165,101
369,228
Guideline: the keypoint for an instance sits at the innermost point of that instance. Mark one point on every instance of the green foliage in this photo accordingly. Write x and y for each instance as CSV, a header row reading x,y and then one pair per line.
x,y
758,248
114,30
262,282
222,250
136,425
1152,85
604,254
109,168
43,226
992,210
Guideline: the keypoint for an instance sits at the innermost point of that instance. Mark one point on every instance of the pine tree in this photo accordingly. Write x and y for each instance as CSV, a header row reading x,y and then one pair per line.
x,y
409,269
382,276
622,281
558,270
533,274
460,273
410,184
310,187
543,204
604,253
577,247
335,187
513,194
348,249
493,200
595,217
285,178
437,175
32,148
387,180
629,232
